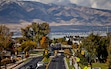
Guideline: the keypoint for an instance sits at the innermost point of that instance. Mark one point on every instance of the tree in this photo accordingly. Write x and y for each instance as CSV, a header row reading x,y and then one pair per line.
x,y
96,46
35,31
69,42
55,41
27,46
109,50
102,52
44,42
61,40
6,42
20,40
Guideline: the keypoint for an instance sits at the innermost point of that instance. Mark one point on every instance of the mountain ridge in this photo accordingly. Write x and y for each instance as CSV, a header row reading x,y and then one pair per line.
x,y
17,11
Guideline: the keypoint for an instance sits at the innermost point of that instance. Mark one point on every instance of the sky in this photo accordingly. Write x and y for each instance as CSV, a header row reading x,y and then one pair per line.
x,y
100,4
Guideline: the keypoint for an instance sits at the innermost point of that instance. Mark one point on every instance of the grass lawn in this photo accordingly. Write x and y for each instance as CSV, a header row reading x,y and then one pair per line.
x,y
28,59
67,59
102,65
46,60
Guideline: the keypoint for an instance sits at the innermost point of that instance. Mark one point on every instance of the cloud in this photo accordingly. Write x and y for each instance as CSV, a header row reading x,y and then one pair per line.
x,y
100,4
52,1
94,5
104,4
81,2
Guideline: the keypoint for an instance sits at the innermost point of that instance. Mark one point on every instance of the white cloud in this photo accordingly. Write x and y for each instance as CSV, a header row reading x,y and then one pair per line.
x,y
101,4
94,5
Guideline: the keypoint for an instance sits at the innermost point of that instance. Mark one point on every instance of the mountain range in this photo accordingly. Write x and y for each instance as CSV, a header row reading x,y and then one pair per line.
x,y
15,12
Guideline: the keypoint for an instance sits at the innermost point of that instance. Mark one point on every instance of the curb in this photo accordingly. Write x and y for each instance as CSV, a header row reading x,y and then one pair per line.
x,y
22,64
16,64
25,62
48,64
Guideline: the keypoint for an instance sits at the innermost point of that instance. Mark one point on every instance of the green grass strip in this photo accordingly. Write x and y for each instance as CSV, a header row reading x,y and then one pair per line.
x,y
70,67
101,65
94,65
46,60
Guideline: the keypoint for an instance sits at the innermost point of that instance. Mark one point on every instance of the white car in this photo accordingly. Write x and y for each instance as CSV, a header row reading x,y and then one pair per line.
x,y
59,54
39,64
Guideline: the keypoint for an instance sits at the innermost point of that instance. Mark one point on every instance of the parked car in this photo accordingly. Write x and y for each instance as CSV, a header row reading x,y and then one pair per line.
x,y
39,64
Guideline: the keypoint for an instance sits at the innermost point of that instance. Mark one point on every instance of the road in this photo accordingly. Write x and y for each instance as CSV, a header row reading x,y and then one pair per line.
x,y
33,63
57,63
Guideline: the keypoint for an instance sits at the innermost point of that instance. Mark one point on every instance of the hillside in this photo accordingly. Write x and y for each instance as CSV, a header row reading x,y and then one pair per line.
x,y
15,12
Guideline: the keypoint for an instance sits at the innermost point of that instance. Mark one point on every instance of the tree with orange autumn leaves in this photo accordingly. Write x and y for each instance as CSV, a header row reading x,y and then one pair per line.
x,y
36,32
44,42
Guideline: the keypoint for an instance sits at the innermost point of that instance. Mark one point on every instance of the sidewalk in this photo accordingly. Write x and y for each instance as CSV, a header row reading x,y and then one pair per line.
x,y
13,65
66,65
17,64
75,62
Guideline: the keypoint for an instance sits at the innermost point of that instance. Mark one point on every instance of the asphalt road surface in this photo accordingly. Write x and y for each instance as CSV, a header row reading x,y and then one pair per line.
x,y
33,63
57,63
